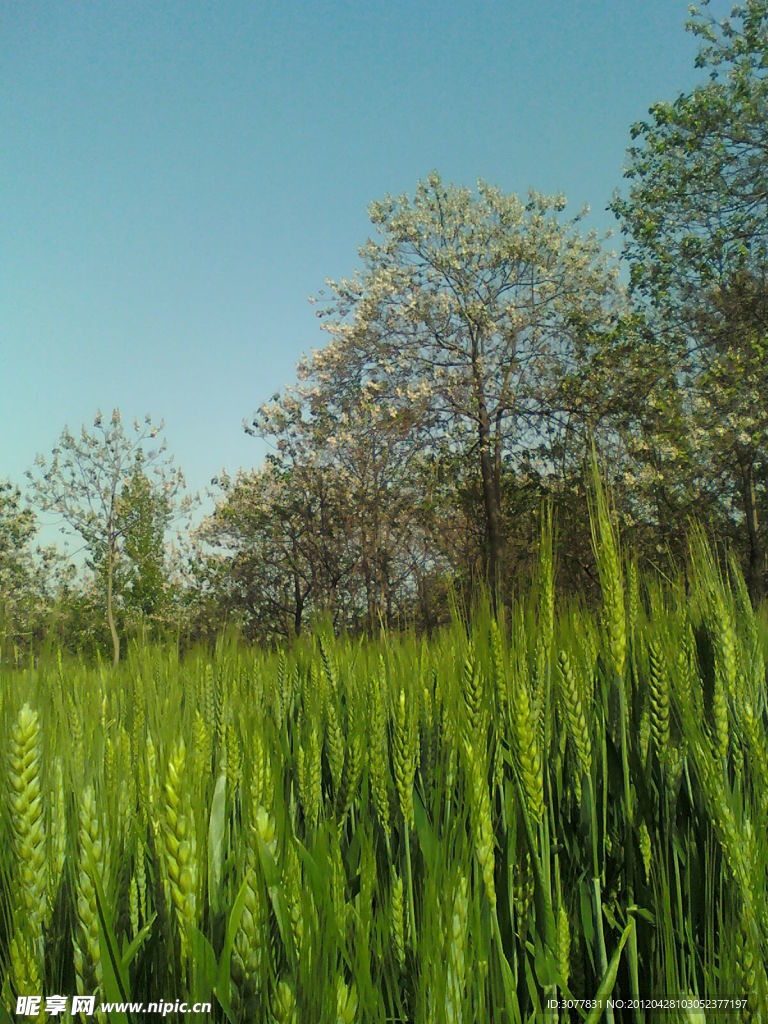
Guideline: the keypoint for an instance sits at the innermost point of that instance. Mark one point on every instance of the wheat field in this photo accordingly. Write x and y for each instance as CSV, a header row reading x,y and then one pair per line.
x,y
558,803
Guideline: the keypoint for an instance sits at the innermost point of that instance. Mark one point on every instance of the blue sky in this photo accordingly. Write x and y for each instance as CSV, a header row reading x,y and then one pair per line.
x,y
178,178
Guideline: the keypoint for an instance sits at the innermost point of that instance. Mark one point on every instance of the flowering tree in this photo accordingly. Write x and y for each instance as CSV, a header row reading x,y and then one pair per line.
x,y
730,406
87,481
467,312
17,528
696,226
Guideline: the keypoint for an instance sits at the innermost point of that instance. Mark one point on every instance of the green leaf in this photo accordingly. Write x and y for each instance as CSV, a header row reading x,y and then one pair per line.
x,y
316,877
114,990
609,978
545,965
545,918
221,988
587,923
130,950
424,831
216,827
273,878
533,989
115,975
204,960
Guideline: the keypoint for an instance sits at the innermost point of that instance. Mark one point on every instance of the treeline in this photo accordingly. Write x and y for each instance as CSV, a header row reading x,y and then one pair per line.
x,y
484,345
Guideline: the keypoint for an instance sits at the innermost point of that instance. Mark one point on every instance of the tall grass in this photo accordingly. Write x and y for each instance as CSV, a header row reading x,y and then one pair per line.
x,y
564,802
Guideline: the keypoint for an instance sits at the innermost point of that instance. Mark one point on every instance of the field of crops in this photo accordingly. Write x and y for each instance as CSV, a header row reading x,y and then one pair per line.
x,y
558,803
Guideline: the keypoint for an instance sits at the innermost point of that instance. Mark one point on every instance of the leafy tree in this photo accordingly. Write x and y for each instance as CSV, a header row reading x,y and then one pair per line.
x,y
335,432
467,313
696,226
628,396
143,516
84,482
697,209
258,533
17,528
278,542
31,578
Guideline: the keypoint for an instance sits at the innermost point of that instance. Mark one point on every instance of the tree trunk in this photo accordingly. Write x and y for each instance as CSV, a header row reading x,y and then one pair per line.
x,y
491,514
110,612
490,495
756,553
370,596
497,459
368,581
298,607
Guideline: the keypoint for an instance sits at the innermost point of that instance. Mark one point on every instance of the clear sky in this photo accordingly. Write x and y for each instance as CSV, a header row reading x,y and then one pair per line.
x,y
178,177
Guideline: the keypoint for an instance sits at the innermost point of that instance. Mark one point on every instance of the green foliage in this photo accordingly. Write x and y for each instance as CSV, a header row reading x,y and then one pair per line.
x,y
17,527
445,363
451,830
100,485
143,516
696,210
695,221
30,577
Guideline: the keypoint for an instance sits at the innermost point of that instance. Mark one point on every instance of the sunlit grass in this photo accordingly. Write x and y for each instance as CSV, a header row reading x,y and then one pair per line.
x,y
566,802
